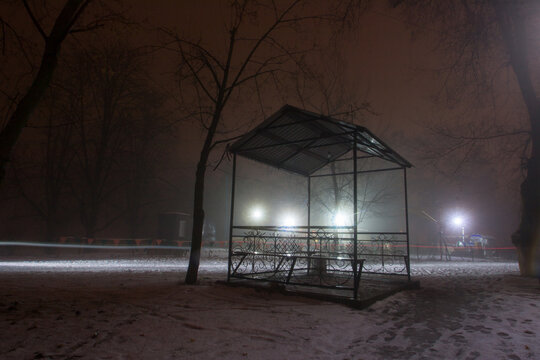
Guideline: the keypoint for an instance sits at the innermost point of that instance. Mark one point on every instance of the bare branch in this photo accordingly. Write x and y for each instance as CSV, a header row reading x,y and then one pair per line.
x,y
198,47
3,29
80,10
225,140
211,69
258,44
20,41
34,20
87,28
477,137
225,153
195,74
256,75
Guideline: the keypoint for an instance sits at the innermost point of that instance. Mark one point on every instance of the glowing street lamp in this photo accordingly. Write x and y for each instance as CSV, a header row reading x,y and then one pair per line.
x,y
339,219
257,213
288,220
457,220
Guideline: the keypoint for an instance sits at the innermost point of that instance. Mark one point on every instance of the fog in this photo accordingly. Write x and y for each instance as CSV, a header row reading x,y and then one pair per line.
x,y
378,62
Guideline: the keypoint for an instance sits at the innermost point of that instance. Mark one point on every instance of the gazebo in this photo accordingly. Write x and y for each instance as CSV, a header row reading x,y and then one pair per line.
x,y
330,248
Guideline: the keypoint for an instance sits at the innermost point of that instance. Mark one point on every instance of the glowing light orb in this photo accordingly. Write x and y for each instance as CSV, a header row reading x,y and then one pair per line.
x,y
339,219
457,220
257,213
288,220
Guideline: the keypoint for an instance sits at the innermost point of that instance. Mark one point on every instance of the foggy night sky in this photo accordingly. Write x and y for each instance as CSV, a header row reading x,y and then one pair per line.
x,y
384,66
394,72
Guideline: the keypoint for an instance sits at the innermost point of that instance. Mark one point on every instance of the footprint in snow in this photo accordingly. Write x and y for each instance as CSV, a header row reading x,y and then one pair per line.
x,y
390,336
458,338
372,338
511,321
473,355
504,335
477,316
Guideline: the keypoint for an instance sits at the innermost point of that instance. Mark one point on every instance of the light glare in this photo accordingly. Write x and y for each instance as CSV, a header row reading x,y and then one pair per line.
x,y
257,213
457,220
288,220
340,219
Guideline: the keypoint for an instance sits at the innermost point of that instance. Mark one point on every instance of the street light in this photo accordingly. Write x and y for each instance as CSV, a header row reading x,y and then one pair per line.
x,y
288,220
457,220
257,213
339,219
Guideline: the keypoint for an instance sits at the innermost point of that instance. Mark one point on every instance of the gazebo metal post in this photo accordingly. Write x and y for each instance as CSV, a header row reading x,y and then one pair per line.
x,y
309,224
231,218
355,212
407,224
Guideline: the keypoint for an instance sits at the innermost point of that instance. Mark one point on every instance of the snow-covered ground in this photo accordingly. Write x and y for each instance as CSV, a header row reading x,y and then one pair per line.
x,y
139,309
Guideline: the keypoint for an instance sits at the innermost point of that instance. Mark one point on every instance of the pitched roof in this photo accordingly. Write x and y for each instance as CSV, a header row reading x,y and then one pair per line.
x,y
303,142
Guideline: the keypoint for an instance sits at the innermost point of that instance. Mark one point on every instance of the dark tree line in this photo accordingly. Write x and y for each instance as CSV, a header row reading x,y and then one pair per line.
x,y
94,143
66,20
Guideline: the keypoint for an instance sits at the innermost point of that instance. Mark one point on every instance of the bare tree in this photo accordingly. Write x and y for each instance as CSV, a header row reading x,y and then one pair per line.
x,y
253,55
142,152
42,177
106,93
94,139
24,106
478,39
325,87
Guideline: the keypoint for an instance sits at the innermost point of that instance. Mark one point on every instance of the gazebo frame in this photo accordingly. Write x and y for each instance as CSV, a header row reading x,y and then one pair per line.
x,y
334,257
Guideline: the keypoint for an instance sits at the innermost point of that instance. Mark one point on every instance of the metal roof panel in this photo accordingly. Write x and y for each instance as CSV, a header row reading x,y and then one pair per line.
x,y
302,141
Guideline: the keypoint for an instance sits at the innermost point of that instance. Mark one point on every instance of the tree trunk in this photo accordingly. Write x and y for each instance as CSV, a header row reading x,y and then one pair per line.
x,y
527,239
510,18
10,134
198,222
198,201
50,229
89,219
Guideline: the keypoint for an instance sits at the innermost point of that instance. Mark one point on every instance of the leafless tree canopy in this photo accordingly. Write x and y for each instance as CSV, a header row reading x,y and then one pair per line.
x,y
479,40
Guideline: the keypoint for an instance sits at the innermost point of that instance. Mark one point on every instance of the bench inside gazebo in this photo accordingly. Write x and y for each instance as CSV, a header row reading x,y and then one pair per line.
x,y
342,231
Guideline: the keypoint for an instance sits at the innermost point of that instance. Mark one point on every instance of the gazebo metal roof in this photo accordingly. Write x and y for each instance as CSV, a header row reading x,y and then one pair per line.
x,y
303,142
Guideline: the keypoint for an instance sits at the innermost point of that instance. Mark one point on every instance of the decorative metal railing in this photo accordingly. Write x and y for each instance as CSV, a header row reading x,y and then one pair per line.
x,y
384,253
316,256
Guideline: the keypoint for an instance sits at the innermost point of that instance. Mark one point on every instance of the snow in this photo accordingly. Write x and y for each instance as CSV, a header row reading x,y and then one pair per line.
x,y
139,309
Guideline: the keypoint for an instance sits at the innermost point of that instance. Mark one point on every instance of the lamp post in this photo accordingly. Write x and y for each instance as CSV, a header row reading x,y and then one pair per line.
x,y
442,241
458,221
